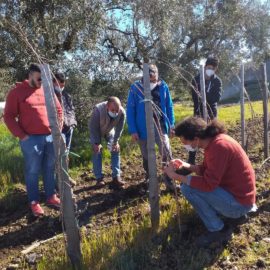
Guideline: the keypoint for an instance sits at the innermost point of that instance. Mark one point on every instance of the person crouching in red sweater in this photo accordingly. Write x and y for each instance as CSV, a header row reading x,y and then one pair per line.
x,y
26,117
224,184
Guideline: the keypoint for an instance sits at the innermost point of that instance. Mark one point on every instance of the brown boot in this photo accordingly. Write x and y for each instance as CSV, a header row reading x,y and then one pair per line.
x,y
117,182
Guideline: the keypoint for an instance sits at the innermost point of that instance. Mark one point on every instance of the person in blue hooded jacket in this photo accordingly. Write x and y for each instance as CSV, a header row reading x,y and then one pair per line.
x,y
163,120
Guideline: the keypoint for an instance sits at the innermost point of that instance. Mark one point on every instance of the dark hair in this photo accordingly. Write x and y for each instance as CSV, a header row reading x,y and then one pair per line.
x,y
59,76
192,127
34,68
213,61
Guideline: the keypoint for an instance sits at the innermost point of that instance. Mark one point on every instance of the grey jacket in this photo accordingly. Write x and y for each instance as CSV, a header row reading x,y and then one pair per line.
x,y
101,124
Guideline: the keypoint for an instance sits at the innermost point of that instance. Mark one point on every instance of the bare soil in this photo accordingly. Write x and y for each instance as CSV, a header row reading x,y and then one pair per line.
x,y
19,229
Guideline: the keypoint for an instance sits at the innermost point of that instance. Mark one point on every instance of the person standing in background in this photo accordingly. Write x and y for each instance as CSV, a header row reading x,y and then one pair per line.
x,y
164,119
213,90
59,81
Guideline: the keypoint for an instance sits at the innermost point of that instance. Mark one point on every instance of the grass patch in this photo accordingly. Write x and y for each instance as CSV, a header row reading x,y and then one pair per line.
x,y
130,243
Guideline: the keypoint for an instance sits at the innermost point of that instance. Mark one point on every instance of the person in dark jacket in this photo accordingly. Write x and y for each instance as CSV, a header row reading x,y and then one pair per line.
x,y
213,89
69,112
65,100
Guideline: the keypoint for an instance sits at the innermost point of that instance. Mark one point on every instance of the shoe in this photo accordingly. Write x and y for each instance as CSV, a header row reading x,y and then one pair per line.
x,y
117,182
237,221
100,183
36,209
219,237
72,182
54,201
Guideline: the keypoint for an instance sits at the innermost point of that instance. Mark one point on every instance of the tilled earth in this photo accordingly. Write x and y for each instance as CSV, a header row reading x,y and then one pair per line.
x,y
18,229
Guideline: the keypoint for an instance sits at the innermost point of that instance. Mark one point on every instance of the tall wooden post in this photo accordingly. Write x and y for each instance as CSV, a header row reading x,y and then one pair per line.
x,y
152,166
67,202
202,84
265,112
242,104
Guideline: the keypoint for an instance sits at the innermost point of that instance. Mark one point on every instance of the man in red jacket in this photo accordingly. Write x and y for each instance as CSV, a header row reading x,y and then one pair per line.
x,y
223,185
26,117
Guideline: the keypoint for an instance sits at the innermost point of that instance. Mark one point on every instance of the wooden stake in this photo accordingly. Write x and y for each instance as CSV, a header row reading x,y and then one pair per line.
x,y
152,166
265,112
202,84
67,202
242,104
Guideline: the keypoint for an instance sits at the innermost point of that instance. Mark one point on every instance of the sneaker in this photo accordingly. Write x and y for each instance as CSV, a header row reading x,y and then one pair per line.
x,y
219,237
36,209
237,221
54,201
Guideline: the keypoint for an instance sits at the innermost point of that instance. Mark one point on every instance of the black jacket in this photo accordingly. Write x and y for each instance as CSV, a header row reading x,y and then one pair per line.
x,y
213,89
68,110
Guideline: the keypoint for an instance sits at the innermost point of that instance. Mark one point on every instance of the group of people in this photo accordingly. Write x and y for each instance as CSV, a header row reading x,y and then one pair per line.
x,y
224,184
26,117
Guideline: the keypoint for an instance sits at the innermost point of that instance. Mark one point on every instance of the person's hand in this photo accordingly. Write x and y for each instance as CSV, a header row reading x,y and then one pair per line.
x,y
25,138
97,148
178,163
172,132
116,147
169,170
135,137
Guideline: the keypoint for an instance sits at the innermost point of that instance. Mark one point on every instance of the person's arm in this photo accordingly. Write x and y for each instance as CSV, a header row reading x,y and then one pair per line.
x,y
11,112
217,164
131,111
71,109
119,128
169,107
195,95
215,93
170,171
59,112
178,164
94,127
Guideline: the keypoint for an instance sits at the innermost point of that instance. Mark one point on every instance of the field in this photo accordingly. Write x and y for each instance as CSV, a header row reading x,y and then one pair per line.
x,y
115,225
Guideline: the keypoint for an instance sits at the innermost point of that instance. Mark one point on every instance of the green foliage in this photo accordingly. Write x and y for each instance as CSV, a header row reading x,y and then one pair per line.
x,y
127,245
108,40
11,169
6,81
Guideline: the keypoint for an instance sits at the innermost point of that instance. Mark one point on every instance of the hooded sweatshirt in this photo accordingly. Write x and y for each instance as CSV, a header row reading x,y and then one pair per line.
x,y
25,111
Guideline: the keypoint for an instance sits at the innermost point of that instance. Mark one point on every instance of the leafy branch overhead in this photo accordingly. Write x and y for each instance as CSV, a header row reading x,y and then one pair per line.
x,y
110,39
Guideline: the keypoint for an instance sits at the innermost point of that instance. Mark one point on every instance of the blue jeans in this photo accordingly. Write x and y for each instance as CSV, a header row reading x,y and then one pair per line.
x,y
209,205
39,158
115,160
68,137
